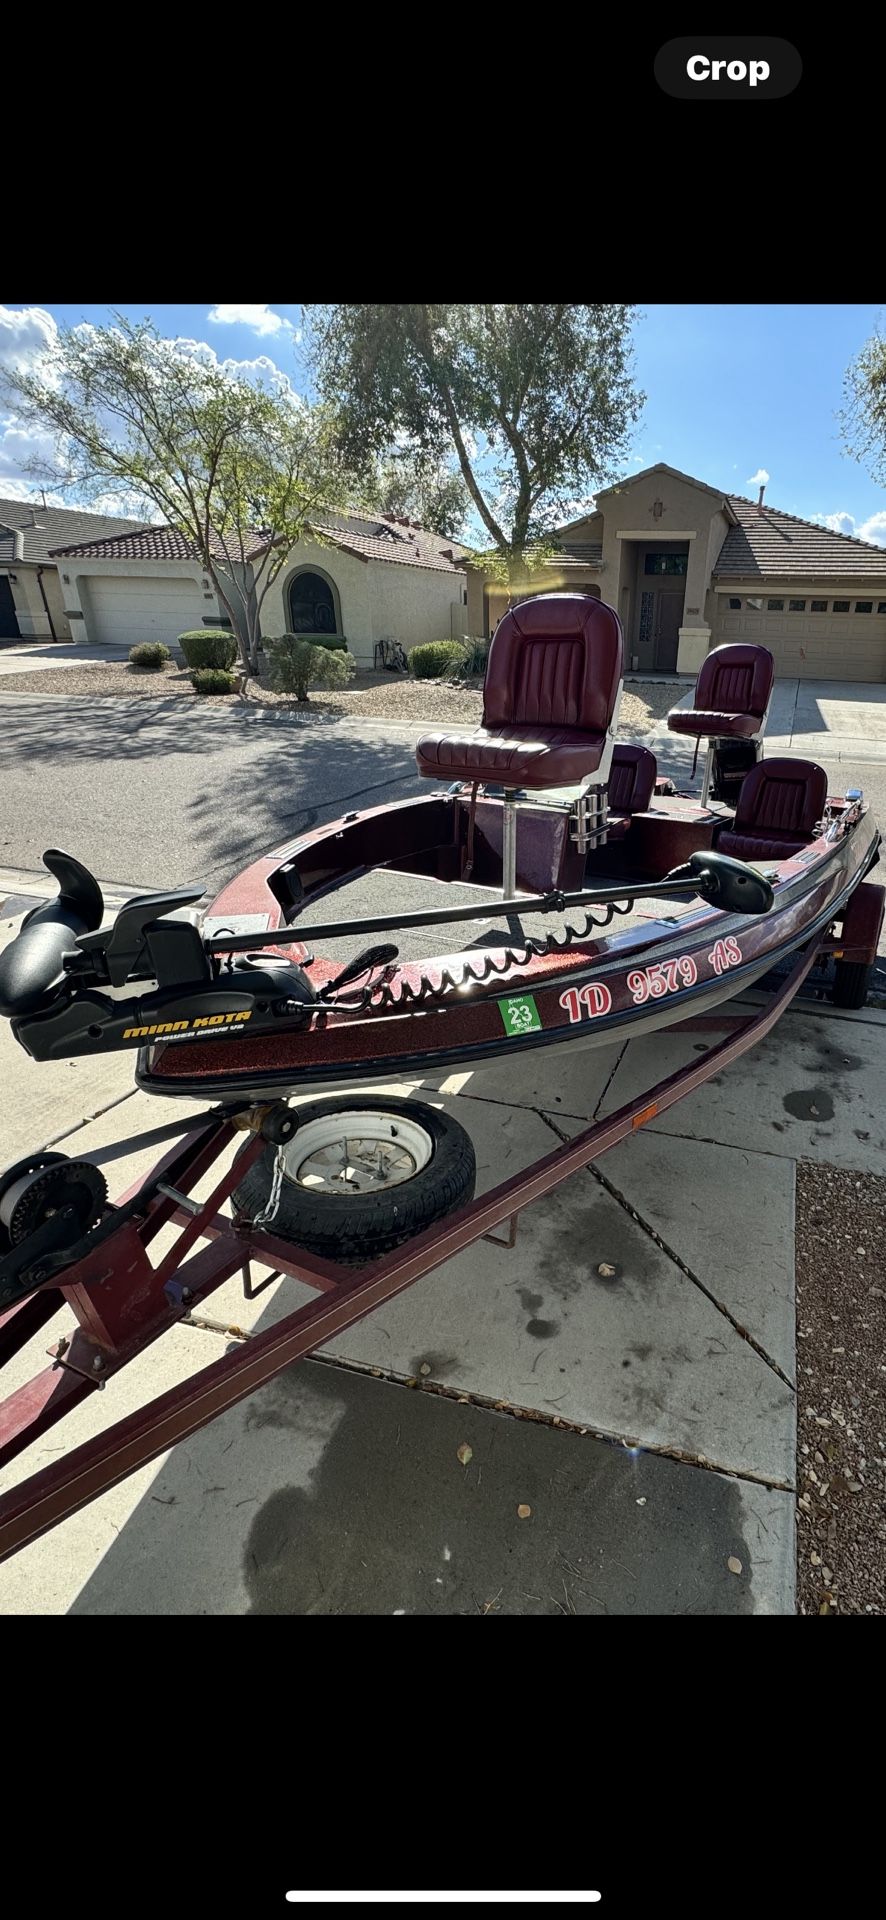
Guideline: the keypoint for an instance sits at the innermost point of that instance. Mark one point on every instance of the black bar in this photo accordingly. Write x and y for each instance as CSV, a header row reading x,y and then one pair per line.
x,y
384,923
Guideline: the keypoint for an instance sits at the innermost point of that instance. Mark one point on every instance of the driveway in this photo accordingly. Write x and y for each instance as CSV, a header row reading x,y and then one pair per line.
x,y
35,656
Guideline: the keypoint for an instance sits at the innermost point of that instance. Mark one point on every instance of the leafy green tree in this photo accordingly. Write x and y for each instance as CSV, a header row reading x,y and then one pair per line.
x,y
533,403
432,494
863,416
234,465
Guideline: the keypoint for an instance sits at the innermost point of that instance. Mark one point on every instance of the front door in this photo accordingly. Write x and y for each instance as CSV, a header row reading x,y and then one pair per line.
x,y
666,629
8,616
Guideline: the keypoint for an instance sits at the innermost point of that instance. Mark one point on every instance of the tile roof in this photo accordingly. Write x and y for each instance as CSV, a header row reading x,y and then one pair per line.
x,y
53,526
589,555
369,536
768,544
143,543
384,538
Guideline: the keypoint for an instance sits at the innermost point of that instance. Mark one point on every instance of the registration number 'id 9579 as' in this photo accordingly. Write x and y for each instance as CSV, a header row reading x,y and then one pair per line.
x,y
648,983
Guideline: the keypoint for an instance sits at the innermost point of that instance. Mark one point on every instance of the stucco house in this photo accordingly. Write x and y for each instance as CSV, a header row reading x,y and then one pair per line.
x,y
31,604
364,576
688,567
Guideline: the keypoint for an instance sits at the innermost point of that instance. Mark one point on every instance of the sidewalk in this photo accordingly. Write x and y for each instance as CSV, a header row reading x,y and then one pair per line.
x,y
657,1439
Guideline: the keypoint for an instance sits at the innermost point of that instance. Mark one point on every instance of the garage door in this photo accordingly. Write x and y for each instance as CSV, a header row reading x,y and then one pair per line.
x,y
120,613
808,646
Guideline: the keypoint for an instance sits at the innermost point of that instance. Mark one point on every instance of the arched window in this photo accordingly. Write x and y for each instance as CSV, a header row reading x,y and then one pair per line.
x,y
313,604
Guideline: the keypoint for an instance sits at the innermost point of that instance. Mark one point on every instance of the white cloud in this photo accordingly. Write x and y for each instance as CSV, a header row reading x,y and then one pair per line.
x,y
758,479
873,529
26,336
262,320
16,489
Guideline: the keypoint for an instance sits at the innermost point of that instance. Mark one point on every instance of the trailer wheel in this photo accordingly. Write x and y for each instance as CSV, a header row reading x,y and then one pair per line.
x,y
852,979
362,1175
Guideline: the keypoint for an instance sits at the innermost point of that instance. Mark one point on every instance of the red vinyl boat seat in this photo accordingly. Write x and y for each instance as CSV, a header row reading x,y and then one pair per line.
x,y
552,683
732,694
779,807
632,778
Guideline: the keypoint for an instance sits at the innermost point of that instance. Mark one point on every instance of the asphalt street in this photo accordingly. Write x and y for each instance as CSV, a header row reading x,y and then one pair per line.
x,y
151,795
157,797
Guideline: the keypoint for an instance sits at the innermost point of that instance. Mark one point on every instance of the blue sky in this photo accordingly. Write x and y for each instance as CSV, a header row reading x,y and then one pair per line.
x,y
731,391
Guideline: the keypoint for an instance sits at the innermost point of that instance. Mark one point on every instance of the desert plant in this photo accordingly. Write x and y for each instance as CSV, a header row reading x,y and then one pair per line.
x,y
437,658
150,656
296,664
213,680
335,642
476,655
209,647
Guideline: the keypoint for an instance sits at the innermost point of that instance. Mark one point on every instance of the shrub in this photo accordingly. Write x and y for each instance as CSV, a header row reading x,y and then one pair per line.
x,y
335,642
439,657
213,680
296,664
209,647
150,656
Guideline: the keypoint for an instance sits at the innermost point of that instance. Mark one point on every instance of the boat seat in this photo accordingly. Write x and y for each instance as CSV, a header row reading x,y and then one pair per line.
x,y
632,778
732,695
552,683
779,807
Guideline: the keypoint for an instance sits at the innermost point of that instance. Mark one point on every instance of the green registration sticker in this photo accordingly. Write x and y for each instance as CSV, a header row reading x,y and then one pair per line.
x,y
519,1015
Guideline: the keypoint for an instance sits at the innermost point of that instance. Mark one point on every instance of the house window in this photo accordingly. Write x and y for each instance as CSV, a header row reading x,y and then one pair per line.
x,y
775,606
754,606
796,606
818,606
841,606
881,606
735,606
665,563
864,606
311,605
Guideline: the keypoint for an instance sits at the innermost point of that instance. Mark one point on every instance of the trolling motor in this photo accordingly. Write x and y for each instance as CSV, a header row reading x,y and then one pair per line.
x,y
60,979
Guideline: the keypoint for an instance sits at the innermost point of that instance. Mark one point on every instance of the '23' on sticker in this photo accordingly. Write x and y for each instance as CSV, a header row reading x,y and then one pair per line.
x,y
519,1015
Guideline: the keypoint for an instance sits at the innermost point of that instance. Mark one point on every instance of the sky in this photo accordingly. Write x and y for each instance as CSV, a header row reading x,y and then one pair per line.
x,y
733,392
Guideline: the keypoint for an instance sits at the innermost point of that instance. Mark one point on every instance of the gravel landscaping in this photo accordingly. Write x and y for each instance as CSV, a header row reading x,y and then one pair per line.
x,y
380,696
841,1413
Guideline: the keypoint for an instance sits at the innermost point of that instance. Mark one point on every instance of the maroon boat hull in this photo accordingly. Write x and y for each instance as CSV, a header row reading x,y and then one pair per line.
x,y
464,1007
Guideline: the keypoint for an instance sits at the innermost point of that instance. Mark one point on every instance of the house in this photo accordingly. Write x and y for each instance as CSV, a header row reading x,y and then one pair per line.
x,y
367,577
31,604
688,567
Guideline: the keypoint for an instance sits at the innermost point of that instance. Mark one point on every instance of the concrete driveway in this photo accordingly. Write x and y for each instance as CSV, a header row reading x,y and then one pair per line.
x,y
35,656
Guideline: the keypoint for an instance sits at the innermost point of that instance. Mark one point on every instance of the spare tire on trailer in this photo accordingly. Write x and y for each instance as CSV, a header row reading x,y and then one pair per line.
x,y
361,1175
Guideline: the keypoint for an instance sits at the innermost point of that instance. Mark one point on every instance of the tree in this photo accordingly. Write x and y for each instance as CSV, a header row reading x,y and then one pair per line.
x,y
863,416
534,403
235,466
434,495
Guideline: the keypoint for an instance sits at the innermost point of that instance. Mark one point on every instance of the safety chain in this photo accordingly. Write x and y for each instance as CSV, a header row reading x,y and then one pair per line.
x,y
272,1204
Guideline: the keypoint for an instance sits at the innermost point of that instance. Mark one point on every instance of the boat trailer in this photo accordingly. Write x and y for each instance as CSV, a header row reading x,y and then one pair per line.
x,y
122,1302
